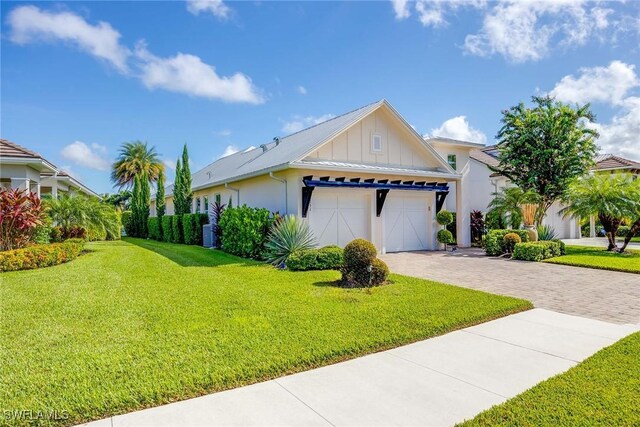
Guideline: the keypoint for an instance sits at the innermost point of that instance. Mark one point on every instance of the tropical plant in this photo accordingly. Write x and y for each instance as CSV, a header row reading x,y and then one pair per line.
x,y
217,210
609,197
120,199
79,212
494,220
542,149
135,159
477,226
507,203
634,230
288,235
21,212
546,232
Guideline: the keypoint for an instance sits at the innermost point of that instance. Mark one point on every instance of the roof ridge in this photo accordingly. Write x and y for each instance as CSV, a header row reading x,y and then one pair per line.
x,y
20,147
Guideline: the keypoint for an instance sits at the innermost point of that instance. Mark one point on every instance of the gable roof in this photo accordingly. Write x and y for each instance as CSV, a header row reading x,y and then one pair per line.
x,y
290,150
487,155
11,149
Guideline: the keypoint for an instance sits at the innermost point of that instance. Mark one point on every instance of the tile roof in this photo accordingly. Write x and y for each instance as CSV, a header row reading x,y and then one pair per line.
x,y
487,155
610,161
11,149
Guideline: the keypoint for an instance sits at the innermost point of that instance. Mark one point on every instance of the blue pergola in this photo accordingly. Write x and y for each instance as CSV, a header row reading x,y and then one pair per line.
x,y
382,187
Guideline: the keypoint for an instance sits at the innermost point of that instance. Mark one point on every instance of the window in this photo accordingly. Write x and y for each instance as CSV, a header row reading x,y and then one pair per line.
x,y
451,159
206,204
218,198
376,143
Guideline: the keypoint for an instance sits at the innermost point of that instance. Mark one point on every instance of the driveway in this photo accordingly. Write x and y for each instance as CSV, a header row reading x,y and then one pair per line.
x,y
598,294
437,382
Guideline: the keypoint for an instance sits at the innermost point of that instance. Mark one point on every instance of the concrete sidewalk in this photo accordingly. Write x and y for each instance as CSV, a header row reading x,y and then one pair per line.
x,y
436,382
599,242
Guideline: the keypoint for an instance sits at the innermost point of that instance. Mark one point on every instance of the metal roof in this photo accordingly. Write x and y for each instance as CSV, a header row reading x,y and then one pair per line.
x,y
367,167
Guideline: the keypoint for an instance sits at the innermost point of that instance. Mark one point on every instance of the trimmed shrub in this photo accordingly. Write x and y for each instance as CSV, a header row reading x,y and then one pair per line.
x,y
167,228
494,241
245,231
192,228
288,235
563,247
177,233
359,252
326,258
453,226
510,241
39,256
445,236
444,217
379,272
360,268
127,223
153,225
537,251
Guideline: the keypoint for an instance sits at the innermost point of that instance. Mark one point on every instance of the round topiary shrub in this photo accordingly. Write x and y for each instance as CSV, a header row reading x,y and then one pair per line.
x,y
360,265
444,217
510,241
445,236
379,272
359,252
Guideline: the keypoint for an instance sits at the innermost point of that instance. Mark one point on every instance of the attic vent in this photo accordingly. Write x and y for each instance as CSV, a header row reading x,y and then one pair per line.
x,y
376,143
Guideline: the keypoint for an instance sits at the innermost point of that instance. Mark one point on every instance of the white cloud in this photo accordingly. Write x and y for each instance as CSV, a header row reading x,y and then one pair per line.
x,y
185,73
401,9
526,30
460,129
430,13
29,24
609,84
216,7
622,135
297,123
92,157
229,150
301,90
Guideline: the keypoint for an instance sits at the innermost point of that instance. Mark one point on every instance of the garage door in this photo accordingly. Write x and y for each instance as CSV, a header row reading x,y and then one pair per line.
x,y
405,223
336,218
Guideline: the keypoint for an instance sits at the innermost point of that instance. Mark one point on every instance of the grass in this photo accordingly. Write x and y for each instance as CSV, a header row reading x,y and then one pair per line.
x,y
604,390
595,257
139,323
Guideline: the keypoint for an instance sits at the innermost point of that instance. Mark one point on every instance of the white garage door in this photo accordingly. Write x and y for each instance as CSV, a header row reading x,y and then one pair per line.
x,y
405,222
336,218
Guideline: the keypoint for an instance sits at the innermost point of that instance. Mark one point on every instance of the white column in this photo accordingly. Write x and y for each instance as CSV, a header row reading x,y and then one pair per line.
x,y
592,226
203,207
38,189
461,233
194,204
54,189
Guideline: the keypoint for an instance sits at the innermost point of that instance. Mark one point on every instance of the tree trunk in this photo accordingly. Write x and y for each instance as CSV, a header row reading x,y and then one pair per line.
x,y
610,226
635,229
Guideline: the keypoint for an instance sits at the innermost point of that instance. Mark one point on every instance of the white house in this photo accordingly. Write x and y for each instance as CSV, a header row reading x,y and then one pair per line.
x,y
25,169
366,173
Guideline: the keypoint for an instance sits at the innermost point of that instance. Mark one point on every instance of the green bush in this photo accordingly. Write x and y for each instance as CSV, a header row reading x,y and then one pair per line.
x,y
245,231
153,226
39,256
494,241
361,267
445,236
288,235
177,233
167,228
510,241
444,217
563,247
192,228
127,223
42,233
623,230
326,258
537,251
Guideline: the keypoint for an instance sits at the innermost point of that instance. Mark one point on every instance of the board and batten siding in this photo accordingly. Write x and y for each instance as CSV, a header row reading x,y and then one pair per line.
x,y
399,147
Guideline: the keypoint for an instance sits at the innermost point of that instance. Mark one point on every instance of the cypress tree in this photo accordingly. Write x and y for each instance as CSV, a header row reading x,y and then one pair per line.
x,y
160,202
178,193
136,195
186,181
145,201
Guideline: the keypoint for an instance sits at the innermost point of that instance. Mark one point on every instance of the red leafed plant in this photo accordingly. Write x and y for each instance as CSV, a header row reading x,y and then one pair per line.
x,y
20,213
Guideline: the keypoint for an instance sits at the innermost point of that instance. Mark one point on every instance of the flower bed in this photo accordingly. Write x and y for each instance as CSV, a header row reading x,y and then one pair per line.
x,y
39,256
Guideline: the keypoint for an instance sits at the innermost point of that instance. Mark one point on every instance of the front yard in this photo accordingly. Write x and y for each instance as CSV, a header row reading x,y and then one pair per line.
x,y
602,390
595,257
138,323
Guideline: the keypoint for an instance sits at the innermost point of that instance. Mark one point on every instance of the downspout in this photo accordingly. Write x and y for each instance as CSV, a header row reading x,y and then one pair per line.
x,y
237,190
286,191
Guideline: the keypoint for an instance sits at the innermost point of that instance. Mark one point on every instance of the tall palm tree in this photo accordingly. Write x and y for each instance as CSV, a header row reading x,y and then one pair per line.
x,y
135,158
508,202
609,197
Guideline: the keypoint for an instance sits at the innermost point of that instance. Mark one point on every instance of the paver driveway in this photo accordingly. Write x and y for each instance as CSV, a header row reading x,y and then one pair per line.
x,y
605,295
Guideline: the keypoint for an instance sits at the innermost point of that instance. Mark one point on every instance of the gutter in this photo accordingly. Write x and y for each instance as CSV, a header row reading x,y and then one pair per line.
x,y
237,190
286,192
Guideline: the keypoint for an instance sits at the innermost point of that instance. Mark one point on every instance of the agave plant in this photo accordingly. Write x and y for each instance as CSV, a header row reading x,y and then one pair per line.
x,y
288,235
546,232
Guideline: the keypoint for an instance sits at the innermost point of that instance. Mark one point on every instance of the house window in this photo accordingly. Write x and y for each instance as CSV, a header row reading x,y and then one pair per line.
x,y
218,198
451,159
206,204
376,143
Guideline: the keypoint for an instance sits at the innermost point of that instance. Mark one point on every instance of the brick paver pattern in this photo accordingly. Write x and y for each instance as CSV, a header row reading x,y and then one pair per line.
x,y
598,294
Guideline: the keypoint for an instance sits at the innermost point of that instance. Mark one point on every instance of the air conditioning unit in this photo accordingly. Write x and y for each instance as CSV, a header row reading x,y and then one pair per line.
x,y
207,236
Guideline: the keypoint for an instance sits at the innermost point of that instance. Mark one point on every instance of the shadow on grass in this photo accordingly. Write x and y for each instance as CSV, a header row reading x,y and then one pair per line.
x,y
191,256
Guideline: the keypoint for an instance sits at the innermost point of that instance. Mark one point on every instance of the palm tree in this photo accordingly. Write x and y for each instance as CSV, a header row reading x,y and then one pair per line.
x,y
609,197
89,213
508,202
135,158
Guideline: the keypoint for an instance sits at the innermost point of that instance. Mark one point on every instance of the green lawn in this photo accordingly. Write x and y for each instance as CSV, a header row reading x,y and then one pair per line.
x,y
604,390
138,323
595,257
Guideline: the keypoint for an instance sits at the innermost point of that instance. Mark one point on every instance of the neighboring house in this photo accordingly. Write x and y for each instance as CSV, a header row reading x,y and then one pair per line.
x,y
25,169
483,183
366,173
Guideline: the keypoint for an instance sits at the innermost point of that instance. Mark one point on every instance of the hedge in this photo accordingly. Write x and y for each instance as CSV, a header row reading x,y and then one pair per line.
x,y
245,231
326,258
39,256
167,228
127,223
537,251
494,244
177,234
153,225
192,228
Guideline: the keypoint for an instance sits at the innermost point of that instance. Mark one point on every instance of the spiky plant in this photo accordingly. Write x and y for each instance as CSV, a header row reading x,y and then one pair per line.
x,y
546,232
289,235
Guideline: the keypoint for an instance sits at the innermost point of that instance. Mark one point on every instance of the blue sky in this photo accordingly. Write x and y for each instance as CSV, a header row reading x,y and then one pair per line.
x,y
79,78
